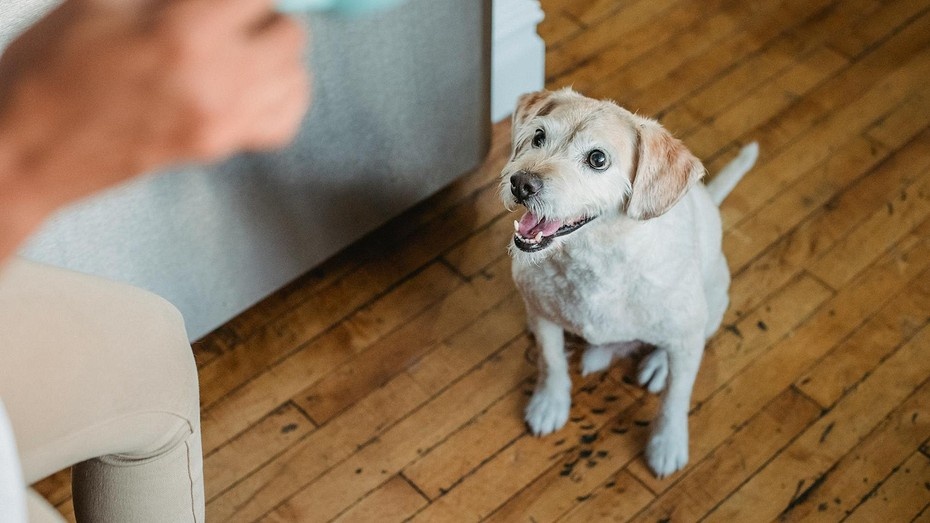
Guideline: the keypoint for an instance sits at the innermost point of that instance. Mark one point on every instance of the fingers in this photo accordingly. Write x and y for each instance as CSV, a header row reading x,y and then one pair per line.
x,y
252,74
220,15
281,129
279,35
276,119
247,12
281,103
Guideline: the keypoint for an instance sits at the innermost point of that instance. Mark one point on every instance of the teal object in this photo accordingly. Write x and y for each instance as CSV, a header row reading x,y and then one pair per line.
x,y
342,7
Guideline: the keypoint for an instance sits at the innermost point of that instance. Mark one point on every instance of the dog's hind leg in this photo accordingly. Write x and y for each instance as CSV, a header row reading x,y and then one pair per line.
x,y
549,406
597,358
653,371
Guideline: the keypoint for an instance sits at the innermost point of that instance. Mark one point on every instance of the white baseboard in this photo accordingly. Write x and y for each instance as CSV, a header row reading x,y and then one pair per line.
x,y
518,54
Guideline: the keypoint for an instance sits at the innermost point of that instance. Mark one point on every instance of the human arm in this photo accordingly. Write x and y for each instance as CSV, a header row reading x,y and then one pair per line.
x,y
100,91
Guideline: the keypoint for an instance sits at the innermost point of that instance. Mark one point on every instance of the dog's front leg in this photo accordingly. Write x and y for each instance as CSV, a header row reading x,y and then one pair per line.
x,y
667,451
549,406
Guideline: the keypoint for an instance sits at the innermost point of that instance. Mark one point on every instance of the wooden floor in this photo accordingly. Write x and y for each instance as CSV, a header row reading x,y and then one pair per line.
x,y
388,385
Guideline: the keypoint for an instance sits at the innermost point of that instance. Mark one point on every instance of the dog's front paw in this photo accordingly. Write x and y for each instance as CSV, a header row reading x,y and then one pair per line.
x,y
548,409
667,451
653,371
596,358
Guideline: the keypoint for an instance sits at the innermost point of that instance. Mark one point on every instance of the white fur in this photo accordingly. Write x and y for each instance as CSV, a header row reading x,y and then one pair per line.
x,y
662,281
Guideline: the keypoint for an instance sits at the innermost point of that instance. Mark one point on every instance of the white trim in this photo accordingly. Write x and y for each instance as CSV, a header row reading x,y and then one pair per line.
x,y
518,54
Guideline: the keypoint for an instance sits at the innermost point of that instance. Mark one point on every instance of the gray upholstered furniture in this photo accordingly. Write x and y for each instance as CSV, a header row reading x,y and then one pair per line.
x,y
401,109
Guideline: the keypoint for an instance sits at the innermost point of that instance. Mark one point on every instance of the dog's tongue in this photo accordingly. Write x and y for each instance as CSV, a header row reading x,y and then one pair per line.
x,y
531,225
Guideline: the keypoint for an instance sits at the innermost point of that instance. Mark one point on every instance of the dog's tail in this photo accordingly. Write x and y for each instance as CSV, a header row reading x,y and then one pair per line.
x,y
730,175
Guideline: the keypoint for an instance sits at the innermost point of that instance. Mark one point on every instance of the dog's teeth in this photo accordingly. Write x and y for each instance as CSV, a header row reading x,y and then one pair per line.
x,y
538,237
516,226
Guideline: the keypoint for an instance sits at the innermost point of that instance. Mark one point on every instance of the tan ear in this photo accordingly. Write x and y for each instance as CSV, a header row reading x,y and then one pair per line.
x,y
665,171
529,104
538,103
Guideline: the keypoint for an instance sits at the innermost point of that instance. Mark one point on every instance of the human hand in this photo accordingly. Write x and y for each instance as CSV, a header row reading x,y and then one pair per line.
x,y
102,90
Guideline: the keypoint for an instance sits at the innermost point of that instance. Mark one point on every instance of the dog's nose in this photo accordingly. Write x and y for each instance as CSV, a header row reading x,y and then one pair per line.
x,y
525,184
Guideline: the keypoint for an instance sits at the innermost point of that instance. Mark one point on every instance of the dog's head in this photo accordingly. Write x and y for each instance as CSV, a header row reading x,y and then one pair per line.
x,y
575,160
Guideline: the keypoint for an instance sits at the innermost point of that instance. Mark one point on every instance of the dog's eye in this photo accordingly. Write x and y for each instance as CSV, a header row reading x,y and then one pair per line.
x,y
539,138
597,159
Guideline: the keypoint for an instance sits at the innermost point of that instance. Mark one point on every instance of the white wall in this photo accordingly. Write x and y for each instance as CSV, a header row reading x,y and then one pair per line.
x,y
517,54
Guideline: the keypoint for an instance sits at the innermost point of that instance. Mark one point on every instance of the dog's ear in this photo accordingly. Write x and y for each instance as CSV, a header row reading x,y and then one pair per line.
x,y
538,103
665,171
529,104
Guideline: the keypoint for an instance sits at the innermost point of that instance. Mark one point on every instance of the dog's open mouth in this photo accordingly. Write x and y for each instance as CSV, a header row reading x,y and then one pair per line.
x,y
533,233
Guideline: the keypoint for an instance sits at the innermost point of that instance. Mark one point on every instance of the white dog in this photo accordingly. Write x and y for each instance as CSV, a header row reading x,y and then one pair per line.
x,y
619,242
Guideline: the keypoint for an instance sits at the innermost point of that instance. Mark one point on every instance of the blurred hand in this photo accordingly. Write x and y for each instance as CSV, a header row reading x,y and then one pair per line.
x,y
102,90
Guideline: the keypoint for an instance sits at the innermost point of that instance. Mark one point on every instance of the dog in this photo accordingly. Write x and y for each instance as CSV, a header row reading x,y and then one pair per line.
x,y
620,244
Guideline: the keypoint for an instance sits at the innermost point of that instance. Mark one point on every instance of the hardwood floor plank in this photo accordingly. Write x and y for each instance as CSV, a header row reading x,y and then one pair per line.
x,y
617,499
634,26
393,501
467,348
471,255
844,367
629,76
841,194
447,463
864,33
781,167
710,481
253,448
597,403
56,489
377,324
902,496
392,402
808,460
378,364
775,369
767,101
758,25
593,11
841,214
288,333
260,491
66,509
394,449
378,412
865,468
558,27
805,462
770,270
736,347
732,74
798,202
881,229
593,452
856,96
907,120
923,516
